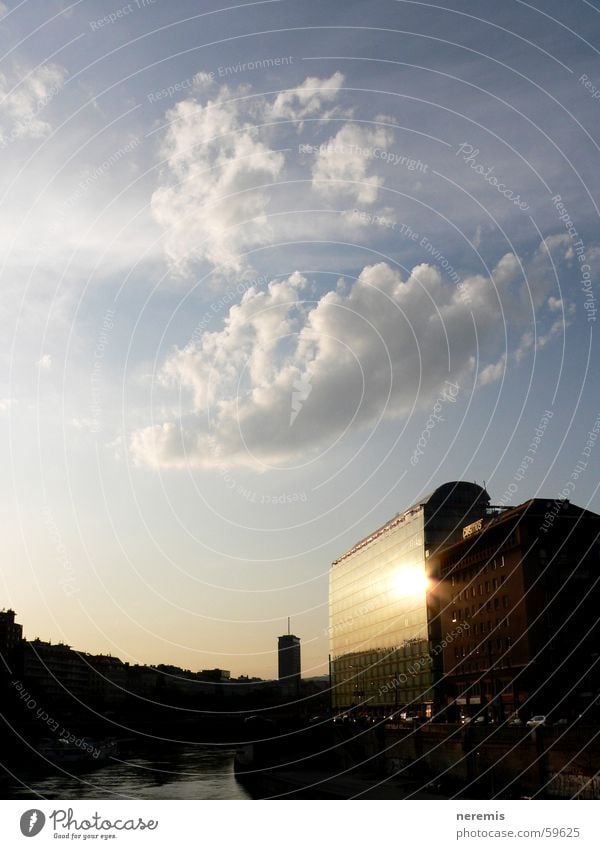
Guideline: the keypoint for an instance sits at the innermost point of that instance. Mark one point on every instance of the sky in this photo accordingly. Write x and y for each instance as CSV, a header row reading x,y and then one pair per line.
x,y
271,272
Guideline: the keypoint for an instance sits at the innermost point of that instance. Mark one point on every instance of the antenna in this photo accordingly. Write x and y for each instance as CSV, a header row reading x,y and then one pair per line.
x,y
288,625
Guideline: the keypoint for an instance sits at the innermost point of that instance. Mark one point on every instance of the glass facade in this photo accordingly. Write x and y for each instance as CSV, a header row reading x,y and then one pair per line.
x,y
383,622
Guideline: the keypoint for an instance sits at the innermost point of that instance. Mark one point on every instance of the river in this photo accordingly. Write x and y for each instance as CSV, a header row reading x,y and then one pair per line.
x,y
176,772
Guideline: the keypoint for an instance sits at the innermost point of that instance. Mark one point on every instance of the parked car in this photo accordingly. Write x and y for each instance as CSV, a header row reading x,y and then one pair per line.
x,y
538,719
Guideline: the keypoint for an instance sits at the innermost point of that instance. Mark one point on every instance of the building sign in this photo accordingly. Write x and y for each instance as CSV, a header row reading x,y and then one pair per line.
x,y
468,530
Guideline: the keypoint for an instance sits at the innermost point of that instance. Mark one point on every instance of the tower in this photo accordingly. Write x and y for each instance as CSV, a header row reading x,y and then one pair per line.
x,y
288,656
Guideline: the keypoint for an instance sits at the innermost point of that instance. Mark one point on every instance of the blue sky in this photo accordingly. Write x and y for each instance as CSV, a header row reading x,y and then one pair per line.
x,y
270,273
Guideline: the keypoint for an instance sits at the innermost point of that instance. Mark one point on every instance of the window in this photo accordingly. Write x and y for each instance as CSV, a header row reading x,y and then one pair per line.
x,y
496,603
480,589
505,601
495,584
487,586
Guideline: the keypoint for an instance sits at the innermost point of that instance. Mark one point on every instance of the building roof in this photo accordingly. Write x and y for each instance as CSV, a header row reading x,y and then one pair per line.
x,y
538,507
435,498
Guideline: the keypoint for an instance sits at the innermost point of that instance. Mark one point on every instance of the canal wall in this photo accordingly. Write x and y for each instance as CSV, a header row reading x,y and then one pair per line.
x,y
509,761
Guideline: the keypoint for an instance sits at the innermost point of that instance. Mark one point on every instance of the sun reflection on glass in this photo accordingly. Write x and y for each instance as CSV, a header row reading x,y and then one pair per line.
x,y
409,582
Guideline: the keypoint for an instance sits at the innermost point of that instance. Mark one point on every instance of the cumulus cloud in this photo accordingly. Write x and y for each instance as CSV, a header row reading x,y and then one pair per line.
x,y
211,204
342,165
23,98
308,99
219,164
366,351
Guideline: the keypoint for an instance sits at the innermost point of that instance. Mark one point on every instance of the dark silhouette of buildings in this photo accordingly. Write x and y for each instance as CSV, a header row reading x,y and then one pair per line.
x,y
11,634
55,671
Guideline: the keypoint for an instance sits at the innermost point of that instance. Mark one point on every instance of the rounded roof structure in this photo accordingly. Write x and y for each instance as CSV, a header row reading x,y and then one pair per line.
x,y
449,495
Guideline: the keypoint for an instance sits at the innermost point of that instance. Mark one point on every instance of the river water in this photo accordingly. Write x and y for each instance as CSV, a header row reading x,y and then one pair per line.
x,y
186,772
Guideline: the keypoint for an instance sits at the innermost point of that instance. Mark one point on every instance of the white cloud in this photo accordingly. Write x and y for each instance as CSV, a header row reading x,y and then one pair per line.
x,y
525,345
23,98
342,165
369,350
7,403
493,372
506,270
308,99
215,189
45,362
556,329
559,240
210,203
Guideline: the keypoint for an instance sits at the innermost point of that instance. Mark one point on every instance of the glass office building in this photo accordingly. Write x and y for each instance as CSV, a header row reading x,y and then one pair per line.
x,y
385,631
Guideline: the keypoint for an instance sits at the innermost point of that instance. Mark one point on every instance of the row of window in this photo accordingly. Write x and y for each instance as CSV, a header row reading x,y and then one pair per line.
x,y
499,645
485,587
478,555
471,666
458,614
488,627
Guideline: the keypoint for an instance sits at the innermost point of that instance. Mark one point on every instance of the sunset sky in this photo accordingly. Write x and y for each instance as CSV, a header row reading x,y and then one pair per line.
x,y
270,273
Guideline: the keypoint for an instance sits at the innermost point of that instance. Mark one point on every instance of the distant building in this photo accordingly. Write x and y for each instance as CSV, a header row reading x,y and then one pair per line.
x,y
520,597
142,680
107,678
288,656
383,616
11,634
217,675
55,671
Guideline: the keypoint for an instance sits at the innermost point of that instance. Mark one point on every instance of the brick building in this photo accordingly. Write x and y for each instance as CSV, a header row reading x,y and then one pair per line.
x,y
528,595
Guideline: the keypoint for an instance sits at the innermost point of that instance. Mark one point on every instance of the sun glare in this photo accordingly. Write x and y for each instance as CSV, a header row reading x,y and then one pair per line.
x,y
409,581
